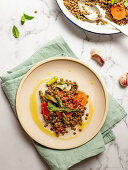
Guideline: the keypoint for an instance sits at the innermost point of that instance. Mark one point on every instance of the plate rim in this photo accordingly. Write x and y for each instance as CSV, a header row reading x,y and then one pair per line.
x,y
100,33
69,59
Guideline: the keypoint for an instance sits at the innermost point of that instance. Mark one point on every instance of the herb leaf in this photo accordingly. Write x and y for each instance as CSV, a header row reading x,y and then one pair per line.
x,y
28,17
78,16
15,31
22,19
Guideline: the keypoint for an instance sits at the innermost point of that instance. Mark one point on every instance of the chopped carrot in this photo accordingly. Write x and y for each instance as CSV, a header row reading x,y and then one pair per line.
x,y
59,114
60,93
68,114
71,106
82,96
118,12
65,98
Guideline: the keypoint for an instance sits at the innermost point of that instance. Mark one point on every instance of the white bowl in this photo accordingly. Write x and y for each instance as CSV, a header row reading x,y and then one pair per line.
x,y
88,26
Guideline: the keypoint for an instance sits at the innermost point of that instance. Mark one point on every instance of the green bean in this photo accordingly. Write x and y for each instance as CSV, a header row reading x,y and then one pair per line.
x,y
61,83
41,96
59,101
57,109
50,98
40,93
52,81
50,106
64,118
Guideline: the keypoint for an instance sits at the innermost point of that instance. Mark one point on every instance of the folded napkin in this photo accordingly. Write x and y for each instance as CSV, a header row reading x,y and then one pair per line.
x,y
62,159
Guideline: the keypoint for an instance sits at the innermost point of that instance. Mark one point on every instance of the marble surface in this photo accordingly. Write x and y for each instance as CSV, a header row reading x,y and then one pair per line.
x,y
16,149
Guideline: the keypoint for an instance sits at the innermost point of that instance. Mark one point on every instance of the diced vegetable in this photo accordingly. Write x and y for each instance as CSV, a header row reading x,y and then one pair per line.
x,y
45,111
60,129
82,96
59,114
118,12
68,114
59,101
50,98
52,81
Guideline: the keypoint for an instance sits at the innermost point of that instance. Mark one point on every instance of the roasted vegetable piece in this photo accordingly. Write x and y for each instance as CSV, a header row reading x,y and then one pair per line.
x,y
83,97
40,93
50,106
57,109
61,83
45,111
52,81
50,98
59,101
59,114
118,12
64,118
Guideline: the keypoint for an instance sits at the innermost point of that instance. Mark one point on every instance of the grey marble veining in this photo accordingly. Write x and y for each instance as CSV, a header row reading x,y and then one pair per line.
x,y
49,22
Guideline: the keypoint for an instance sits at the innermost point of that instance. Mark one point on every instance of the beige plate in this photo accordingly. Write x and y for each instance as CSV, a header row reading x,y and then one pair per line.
x,y
71,69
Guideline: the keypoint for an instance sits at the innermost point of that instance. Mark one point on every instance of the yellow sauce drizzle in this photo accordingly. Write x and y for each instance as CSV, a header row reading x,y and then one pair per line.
x,y
34,113
69,70
91,82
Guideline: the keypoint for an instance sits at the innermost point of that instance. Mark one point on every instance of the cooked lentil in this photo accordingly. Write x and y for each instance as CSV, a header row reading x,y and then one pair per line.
x,y
72,6
61,108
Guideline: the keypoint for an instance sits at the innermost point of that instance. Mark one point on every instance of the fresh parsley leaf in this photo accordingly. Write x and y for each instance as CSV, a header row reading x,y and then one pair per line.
x,y
28,17
15,31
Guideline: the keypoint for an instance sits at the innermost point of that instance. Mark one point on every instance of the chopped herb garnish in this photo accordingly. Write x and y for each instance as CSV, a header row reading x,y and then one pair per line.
x,y
78,16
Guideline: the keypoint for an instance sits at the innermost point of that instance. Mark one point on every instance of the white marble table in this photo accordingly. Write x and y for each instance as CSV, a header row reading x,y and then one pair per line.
x,y
16,150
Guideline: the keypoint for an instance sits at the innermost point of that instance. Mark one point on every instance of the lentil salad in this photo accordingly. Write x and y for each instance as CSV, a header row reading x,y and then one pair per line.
x,y
115,10
63,105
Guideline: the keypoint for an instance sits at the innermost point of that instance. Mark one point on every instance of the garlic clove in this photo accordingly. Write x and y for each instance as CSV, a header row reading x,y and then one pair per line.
x,y
124,80
98,56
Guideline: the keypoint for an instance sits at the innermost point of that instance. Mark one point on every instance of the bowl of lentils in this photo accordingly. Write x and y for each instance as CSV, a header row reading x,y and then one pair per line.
x,y
115,10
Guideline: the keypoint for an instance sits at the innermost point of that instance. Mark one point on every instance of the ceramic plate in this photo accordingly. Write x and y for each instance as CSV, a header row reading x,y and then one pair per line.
x,y
89,26
29,107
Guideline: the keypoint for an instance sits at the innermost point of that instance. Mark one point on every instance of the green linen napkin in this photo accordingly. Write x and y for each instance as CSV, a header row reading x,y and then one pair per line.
x,y
62,159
